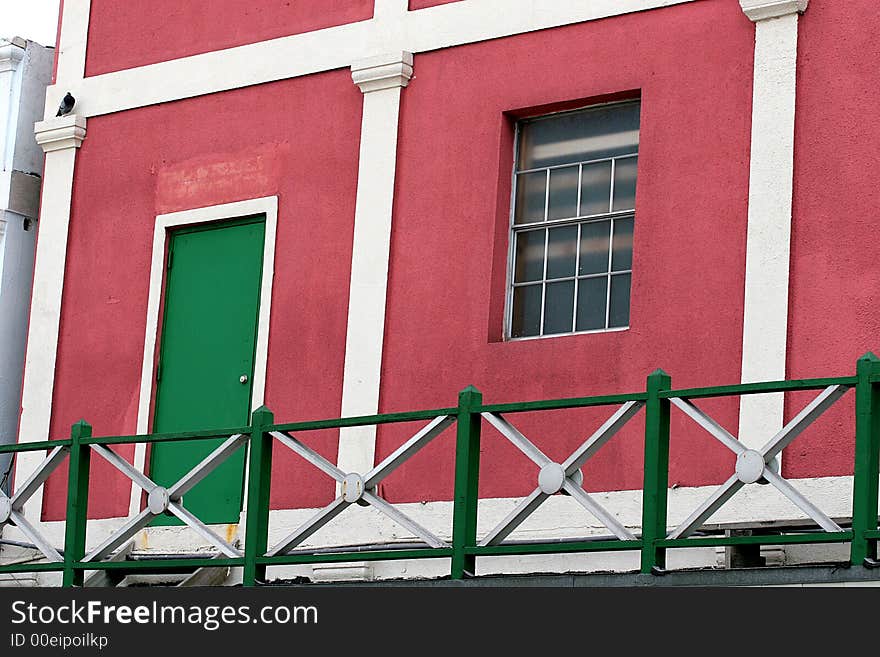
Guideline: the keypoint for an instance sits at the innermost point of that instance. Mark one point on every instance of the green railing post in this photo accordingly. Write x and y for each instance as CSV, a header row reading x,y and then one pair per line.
x,y
77,503
656,479
259,484
866,470
467,474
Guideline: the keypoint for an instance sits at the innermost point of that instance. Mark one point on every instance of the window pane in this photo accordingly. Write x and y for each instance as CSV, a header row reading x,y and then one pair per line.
x,y
559,307
622,257
592,294
531,195
529,256
619,315
625,184
594,247
579,136
563,193
526,311
596,188
561,251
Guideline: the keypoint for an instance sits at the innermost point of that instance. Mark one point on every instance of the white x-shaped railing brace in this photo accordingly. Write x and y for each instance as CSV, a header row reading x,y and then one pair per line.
x,y
161,499
11,507
361,489
566,476
752,465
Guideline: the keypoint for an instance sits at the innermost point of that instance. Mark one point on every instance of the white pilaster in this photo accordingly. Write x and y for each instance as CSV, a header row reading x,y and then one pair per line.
x,y
11,54
768,242
72,43
381,80
59,138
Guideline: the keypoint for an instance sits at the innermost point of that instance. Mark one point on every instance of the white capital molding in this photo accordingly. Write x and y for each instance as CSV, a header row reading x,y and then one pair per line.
x,y
11,53
60,133
383,72
761,10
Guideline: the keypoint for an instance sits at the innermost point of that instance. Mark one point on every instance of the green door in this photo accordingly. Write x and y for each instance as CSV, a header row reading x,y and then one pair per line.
x,y
206,362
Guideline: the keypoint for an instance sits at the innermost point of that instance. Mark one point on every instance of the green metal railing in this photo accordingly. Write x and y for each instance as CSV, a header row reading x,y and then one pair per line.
x,y
464,549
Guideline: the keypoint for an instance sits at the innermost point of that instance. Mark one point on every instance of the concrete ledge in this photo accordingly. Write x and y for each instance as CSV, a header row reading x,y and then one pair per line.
x,y
829,574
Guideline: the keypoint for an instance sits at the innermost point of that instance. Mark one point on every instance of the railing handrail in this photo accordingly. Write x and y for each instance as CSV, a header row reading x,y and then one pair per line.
x,y
469,416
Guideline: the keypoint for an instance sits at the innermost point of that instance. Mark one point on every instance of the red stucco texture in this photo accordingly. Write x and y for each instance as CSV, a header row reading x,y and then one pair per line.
x,y
297,139
692,66
129,34
424,4
835,273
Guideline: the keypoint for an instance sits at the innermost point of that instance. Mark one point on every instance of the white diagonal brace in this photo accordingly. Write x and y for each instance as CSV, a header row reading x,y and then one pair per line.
x,y
405,451
120,536
207,466
39,476
201,529
309,455
785,487
802,420
602,435
584,499
310,526
716,430
404,520
515,518
125,467
35,537
519,441
723,493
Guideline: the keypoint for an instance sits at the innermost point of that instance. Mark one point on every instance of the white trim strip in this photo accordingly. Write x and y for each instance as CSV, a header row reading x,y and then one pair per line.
x,y
72,44
392,30
267,205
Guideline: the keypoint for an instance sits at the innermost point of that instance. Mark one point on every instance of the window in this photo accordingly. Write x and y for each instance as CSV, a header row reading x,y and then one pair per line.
x,y
572,227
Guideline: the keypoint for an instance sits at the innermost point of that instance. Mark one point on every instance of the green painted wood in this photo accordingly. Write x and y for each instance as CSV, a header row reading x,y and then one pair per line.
x,y
467,474
867,460
759,388
783,539
337,557
160,565
363,420
44,567
77,503
208,341
554,404
554,548
259,485
167,437
33,447
656,480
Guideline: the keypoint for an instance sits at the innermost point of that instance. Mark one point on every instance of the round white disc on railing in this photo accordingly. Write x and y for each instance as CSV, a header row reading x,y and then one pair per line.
x,y
550,478
749,466
5,509
157,500
352,487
